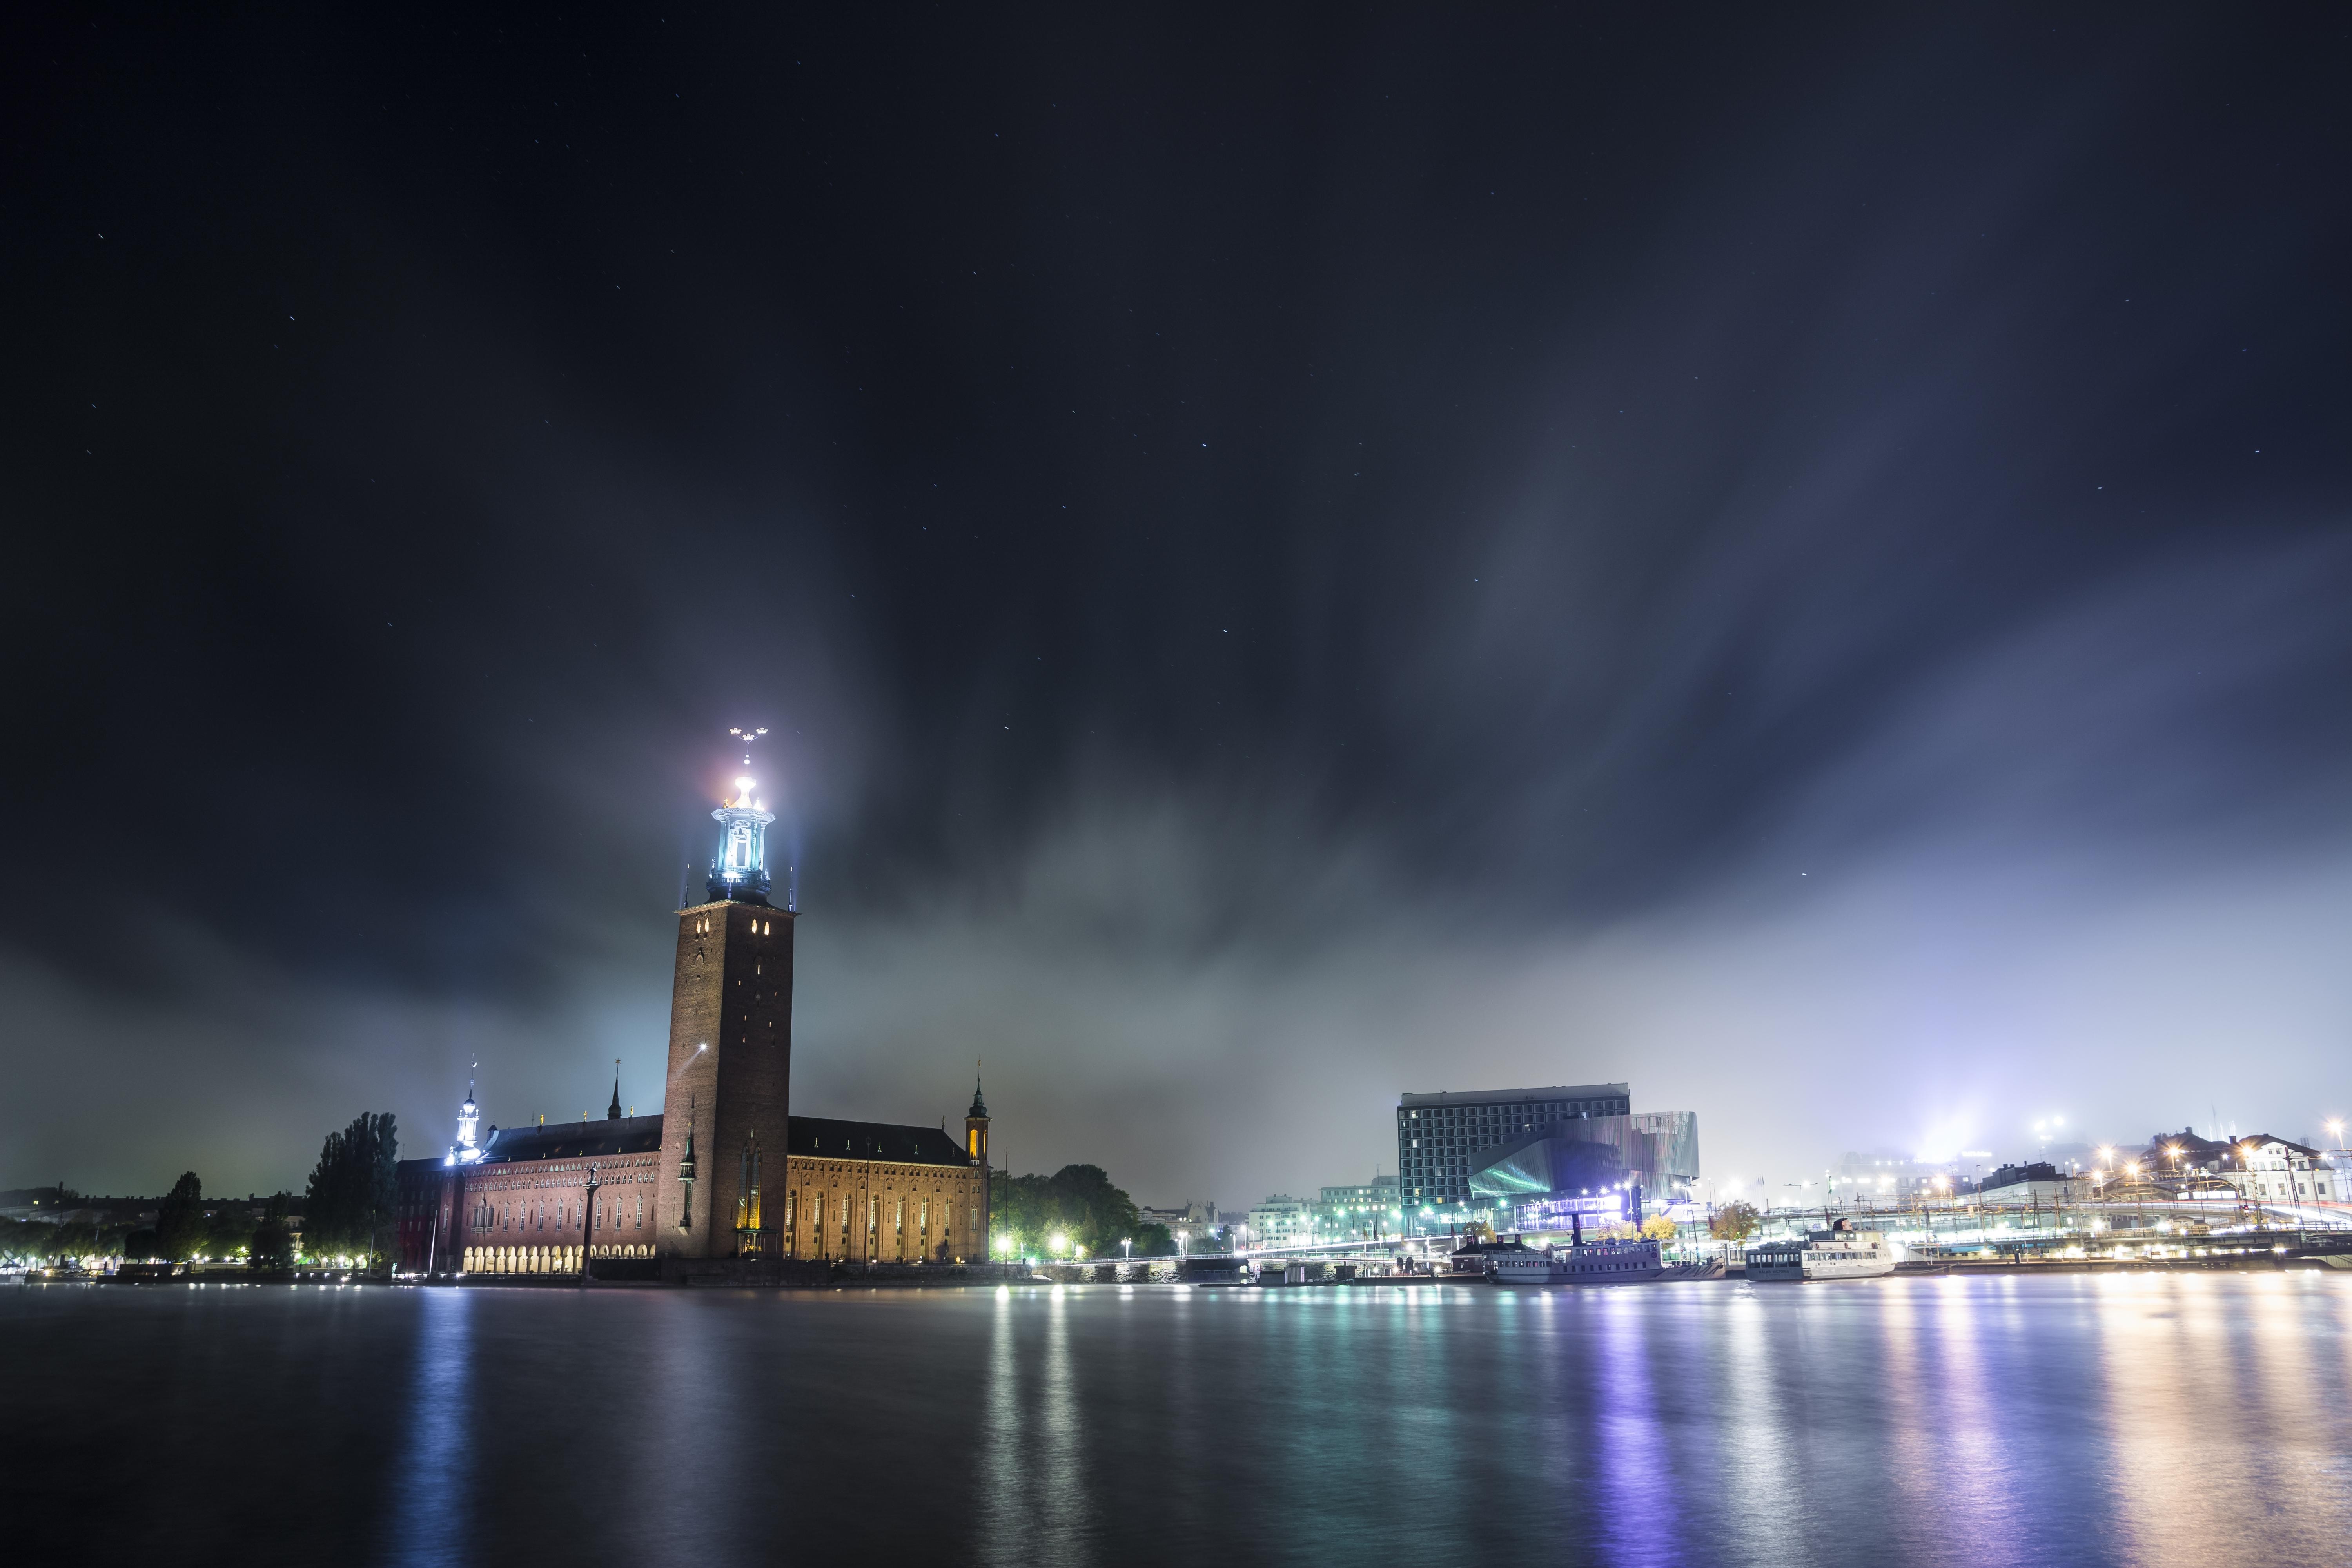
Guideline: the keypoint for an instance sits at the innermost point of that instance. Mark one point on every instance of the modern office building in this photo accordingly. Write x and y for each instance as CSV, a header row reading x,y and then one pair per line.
x,y
1439,1137
1655,1153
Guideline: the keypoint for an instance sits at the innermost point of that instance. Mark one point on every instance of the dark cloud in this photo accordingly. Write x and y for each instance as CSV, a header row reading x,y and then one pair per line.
x,y
1797,564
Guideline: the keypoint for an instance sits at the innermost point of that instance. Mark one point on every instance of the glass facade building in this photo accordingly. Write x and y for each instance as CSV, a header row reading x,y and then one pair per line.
x,y
1440,1137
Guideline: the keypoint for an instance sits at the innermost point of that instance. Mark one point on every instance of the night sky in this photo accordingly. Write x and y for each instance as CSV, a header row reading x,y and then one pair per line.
x,y
1796,557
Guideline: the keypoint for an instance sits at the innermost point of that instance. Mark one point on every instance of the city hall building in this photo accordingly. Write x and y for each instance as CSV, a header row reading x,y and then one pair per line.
x,y
724,1175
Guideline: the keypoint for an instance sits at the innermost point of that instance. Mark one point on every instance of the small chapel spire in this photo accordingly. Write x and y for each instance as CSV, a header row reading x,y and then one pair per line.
x,y
975,1126
612,1112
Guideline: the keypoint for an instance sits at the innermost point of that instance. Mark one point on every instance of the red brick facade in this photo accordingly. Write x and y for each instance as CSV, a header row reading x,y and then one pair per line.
x,y
731,1064
838,1191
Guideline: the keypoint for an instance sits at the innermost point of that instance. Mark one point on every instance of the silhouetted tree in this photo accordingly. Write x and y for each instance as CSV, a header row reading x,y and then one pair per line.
x,y
349,1206
180,1228
31,1239
273,1240
1077,1202
229,1229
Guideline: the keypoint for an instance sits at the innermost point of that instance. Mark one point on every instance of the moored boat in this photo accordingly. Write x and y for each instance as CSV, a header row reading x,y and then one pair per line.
x,y
1629,1262
1839,1253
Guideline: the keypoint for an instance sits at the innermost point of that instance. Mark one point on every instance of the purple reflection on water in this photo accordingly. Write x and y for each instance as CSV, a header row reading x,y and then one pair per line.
x,y
1630,1457
429,1518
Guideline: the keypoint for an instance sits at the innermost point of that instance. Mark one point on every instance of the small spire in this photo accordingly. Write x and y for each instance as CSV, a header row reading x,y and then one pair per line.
x,y
613,1113
978,1106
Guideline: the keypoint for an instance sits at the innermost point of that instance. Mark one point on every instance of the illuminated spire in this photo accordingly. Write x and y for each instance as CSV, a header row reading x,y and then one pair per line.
x,y
740,872
469,1117
975,1124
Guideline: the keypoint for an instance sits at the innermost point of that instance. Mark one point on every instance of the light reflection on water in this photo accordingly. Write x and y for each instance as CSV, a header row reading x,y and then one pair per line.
x,y
2219,1422
432,1476
1967,1420
1629,1448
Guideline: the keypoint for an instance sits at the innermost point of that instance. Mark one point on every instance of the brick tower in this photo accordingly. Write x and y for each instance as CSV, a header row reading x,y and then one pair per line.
x,y
729,1089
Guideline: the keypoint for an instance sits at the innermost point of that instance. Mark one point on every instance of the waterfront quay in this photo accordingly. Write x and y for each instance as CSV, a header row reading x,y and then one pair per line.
x,y
2087,1230
1928,1236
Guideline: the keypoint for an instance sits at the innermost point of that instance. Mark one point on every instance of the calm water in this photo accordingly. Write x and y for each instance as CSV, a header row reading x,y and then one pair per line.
x,y
2164,1419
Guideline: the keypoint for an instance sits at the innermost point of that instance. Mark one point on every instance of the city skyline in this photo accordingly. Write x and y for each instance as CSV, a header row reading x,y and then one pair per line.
x,y
1801,568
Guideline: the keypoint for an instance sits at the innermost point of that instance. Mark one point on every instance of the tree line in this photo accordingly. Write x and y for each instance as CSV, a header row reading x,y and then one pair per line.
x,y
348,1209
1078,1203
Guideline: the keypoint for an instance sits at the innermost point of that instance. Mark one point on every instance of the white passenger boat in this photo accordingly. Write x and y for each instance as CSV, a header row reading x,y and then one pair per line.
x,y
1839,1253
1584,1263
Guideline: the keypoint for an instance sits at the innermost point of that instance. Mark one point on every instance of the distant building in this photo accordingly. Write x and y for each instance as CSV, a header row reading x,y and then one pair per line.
x,y
1867,1178
2271,1169
1380,1191
1442,1137
1191,1222
2037,1181
2183,1154
1281,1221
2263,1167
1370,1209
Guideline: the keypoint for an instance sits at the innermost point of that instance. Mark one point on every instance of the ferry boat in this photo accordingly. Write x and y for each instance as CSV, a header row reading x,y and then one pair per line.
x,y
1582,1263
1216,1270
1838,1253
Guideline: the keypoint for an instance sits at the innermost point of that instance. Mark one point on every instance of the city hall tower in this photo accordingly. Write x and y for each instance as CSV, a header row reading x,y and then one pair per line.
x,y
729,1090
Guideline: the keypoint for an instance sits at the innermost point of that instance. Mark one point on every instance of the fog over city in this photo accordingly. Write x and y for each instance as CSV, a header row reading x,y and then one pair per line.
x,y
1804,570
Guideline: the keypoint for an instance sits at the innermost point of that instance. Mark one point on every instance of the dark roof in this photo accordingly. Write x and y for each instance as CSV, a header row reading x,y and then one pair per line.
x,y
1517,1096
813,1136
820,1137
2261,1139
575,1139
2199,1151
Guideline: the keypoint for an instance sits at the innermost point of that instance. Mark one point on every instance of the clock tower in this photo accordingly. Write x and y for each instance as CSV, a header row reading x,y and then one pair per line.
x,y
729,1088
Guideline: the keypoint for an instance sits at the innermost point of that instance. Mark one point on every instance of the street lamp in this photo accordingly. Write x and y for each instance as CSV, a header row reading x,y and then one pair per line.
x,y
588,1224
